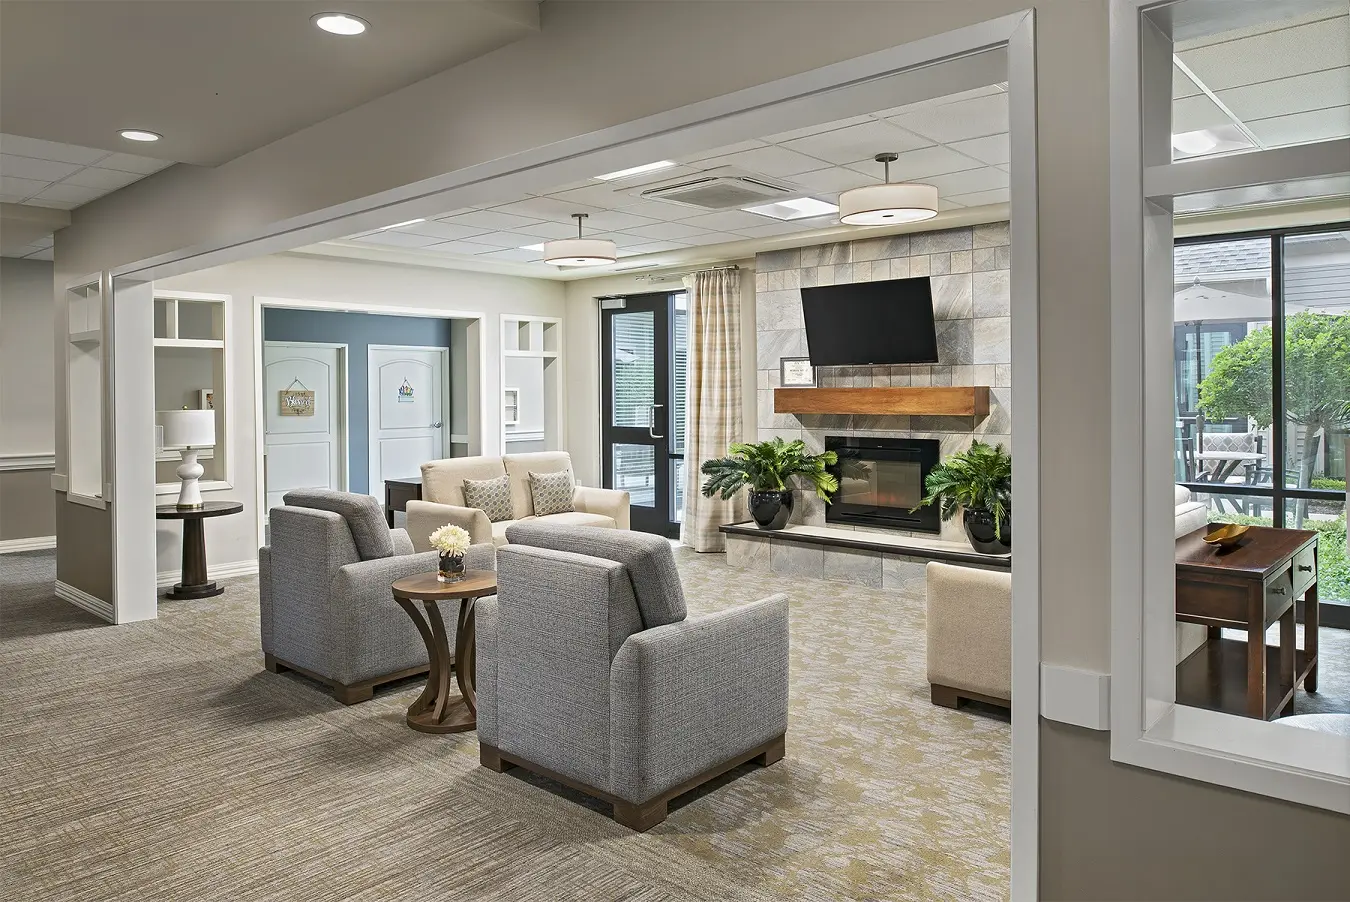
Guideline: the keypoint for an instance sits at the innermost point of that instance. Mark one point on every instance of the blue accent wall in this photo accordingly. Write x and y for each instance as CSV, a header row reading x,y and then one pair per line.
x,y
358,331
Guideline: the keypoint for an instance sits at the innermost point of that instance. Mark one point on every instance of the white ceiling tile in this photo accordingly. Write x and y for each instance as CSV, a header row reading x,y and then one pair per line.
x,y
769,160
39,170
958,121
44,242
549,230
397,239
514,254
970,181
649,177
12,198
52,204
725,221
1274,54
783,137
44,254
773,229
945,203
72,193
710,238
50,150
834,180
464,248
920,164
20,187
131,163
546,208
1300,128
616,221
980,198
858,142
622,239
491,219
720,151
596,194
660,210
1194,113
654,247
453,213
97,177
1297,94
666,231
445,231
982,91
503,239
1182,86
990,149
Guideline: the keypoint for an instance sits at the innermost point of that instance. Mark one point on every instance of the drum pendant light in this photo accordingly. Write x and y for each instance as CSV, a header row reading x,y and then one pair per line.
x,y
580,251
887,204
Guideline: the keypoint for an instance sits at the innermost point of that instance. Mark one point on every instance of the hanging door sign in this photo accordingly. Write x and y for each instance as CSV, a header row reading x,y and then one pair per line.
x,y
296,402
405,393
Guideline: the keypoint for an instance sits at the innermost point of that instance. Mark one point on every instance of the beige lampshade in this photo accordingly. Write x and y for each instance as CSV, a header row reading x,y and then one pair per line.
x,y
187,428
887,204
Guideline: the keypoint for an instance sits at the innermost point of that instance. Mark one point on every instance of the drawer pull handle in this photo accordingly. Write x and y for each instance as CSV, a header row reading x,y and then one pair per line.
x,y
1278,590
1305,568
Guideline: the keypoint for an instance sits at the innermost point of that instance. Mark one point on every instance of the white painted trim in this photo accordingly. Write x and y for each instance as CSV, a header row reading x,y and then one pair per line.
x,y
82,599
33,543
167,295
27,461
373,400
166,578
1073,696
1322,159
1148,728
86,500
60,482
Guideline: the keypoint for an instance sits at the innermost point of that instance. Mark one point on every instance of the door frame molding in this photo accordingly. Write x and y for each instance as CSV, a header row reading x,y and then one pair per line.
x,y
260,424
444,354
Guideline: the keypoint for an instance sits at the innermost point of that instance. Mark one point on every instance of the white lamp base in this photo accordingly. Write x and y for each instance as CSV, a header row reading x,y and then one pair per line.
x,y
189,471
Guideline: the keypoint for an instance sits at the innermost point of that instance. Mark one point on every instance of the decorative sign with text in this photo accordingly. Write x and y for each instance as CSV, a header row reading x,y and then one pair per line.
x,y
296,402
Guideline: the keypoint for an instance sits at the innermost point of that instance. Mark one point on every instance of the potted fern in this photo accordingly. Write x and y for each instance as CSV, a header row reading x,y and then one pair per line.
x,y
766,468
978,483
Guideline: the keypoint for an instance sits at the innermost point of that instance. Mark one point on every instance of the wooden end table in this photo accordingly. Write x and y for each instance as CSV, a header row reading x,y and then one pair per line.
x,y
1248,587
194,582
435,711
397,494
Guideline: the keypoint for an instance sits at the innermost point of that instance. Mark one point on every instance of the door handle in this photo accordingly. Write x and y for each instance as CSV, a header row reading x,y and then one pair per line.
x,y
651,421
436,425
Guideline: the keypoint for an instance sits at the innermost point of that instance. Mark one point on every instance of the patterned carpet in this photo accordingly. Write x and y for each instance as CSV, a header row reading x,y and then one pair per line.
x,y
157,761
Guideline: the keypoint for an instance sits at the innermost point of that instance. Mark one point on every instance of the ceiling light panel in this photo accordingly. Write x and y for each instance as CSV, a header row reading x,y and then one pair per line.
x,y
959,121
635,171
857,142
399,225
794,208
140,135
343,24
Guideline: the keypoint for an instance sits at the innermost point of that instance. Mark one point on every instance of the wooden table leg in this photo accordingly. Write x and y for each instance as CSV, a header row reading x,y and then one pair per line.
x,y
1311,621
428,695
1288,658
1256,654
465,659
437,711
194,583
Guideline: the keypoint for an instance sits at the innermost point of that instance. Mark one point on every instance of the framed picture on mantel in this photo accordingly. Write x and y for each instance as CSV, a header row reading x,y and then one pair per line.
x,y
796,372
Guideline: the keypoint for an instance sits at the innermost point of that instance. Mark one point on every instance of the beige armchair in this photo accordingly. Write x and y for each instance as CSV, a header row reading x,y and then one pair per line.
x,y
443,498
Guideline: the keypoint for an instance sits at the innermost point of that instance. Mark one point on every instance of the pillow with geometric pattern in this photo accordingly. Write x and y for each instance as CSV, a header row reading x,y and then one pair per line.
x,y
491,496
551,493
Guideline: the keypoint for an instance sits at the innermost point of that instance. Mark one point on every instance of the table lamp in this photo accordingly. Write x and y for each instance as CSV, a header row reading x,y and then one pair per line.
x,y
188,431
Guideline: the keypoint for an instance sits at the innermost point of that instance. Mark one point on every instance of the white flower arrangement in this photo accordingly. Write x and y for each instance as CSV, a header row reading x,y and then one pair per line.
x,y
451,540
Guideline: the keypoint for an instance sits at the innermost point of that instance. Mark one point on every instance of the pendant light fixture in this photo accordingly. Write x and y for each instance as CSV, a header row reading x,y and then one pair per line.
x,y
887,204
580,251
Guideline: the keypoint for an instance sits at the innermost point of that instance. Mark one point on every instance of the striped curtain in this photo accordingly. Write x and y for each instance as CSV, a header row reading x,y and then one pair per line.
x,y
713,401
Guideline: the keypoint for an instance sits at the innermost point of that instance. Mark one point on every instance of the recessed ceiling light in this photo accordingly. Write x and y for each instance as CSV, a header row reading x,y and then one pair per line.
x,y
533,247
1195,142
636,170
798,208
139,134
340,23
399,225
888,203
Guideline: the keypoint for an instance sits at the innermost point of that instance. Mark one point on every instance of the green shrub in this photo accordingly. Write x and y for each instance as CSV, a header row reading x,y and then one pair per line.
x,y
1322,482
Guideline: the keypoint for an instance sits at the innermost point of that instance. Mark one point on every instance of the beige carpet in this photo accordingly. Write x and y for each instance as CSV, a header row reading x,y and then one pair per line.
x,y
157,761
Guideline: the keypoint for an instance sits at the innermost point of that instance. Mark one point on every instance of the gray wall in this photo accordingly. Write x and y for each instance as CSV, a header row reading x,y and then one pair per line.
x,y
969,272
27,408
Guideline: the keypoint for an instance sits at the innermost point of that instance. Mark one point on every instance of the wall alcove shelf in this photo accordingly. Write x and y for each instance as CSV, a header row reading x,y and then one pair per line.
x,y
952,401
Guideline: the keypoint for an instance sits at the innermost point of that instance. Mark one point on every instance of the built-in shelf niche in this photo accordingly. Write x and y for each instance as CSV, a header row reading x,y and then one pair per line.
x,y
191,370
531,379
85,384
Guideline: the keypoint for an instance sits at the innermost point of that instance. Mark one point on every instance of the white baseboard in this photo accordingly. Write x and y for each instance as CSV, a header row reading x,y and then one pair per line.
x,y
167,578
1078,697
33,543
82,599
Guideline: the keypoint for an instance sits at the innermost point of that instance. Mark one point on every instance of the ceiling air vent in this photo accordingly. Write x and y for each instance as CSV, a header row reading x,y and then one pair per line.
x,y
717,189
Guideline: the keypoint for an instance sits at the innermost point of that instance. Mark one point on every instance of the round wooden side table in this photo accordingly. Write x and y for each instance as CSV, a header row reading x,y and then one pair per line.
x,y
435,711
195,583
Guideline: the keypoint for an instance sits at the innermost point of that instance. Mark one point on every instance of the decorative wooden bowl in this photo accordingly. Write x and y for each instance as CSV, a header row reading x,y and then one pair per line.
x,y
1227,535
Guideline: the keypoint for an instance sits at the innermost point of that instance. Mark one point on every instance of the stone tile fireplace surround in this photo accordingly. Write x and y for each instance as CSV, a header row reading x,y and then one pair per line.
x,y
969,270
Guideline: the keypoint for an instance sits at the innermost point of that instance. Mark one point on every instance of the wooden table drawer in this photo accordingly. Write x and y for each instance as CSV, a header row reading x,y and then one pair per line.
x,y
1280,589
1305,569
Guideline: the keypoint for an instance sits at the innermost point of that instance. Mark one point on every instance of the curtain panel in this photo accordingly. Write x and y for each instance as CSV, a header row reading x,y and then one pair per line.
x,y
713,402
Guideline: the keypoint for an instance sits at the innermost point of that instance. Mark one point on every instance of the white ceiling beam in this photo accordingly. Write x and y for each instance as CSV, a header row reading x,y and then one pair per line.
x,y
1324,159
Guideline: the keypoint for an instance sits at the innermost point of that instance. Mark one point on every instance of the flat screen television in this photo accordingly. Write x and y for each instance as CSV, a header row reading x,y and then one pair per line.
x,y
870,323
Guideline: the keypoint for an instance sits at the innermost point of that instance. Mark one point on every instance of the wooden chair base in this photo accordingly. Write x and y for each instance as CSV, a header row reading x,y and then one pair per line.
x,y
652,812
346,693
951,697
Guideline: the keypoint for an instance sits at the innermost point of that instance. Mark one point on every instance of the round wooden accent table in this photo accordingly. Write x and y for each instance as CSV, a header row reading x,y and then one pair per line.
x,y
435,711
195,583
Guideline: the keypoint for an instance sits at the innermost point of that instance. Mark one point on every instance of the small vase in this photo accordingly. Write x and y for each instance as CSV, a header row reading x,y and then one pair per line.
x,y
451,569
980,530
771,510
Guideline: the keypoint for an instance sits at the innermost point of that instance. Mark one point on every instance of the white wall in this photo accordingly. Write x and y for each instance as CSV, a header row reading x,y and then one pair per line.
x,y
234,539
27,352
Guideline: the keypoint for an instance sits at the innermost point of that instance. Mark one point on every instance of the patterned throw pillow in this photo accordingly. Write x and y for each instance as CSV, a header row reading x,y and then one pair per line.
x,y
551,492
491,496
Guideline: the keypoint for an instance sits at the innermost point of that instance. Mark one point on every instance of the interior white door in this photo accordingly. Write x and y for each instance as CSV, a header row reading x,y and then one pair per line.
x,y
407,413
307,451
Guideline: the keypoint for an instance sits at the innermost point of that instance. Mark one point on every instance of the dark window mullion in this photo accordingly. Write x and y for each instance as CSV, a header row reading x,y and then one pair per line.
x,y
1277,373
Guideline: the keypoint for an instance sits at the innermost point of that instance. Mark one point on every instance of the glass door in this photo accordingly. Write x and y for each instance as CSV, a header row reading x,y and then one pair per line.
x,y
642,404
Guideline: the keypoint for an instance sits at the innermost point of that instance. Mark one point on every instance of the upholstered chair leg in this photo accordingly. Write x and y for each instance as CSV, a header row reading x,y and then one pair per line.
x,y
353,695
640,817
945,696
773,753
490,758
273,665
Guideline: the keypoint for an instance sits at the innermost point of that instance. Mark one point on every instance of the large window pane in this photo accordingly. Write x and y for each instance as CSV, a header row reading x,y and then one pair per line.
x,y
679,362
1222,362
1316,293
1333,560
633,355
635,473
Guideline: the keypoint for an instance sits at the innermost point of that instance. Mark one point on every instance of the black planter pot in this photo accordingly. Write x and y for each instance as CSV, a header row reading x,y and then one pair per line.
x,y
980,530
771,509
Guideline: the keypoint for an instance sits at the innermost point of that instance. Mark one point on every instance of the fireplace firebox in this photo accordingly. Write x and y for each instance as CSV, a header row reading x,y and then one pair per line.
x,y
880,479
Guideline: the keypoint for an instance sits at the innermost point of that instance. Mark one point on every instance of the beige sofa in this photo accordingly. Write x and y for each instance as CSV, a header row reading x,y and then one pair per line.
x,y
970,625
443,497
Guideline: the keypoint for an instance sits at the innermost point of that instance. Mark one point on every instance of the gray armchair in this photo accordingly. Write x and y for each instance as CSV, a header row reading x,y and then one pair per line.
x,y
589,673
323,591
